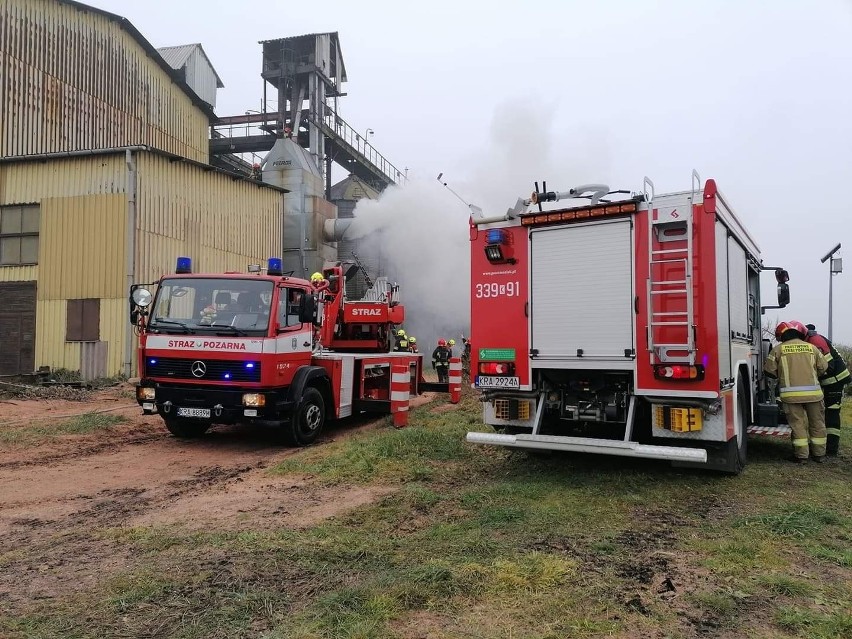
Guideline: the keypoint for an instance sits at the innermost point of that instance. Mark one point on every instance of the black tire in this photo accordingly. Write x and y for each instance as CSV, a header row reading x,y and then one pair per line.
x,y
186,428
305,425
737,447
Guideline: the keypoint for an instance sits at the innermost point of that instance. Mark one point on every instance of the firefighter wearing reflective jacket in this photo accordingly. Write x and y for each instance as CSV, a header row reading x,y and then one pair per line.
x,y
401,342
798,367
412,345
835,378
441,361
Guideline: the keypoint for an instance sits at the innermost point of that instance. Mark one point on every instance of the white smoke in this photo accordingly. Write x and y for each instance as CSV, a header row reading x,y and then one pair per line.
x,y
420,235
419,232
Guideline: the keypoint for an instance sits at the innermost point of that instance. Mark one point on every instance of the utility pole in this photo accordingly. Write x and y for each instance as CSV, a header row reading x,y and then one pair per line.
x,y
835,266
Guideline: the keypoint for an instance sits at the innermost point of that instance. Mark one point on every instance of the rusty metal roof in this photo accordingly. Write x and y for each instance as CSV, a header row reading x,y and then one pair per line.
x,y
125,24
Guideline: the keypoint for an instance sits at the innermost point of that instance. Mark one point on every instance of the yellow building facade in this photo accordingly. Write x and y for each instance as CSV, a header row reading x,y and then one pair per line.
x,y
104,181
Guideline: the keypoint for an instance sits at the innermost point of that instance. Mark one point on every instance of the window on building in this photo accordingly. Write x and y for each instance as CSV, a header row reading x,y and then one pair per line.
x,y
19,234
83,321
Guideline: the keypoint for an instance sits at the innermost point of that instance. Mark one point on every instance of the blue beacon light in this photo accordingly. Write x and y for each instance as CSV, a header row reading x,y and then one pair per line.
x,y
275,266
184,265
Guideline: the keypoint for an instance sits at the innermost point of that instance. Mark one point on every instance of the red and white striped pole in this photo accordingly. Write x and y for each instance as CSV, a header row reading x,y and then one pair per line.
x,y
400,393
455,379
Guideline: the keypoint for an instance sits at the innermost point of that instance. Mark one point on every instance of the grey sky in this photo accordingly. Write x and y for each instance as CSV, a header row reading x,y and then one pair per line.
x,y
757,95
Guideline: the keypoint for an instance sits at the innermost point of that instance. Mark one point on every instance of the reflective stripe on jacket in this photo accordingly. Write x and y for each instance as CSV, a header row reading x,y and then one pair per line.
x,y
798,366
838,372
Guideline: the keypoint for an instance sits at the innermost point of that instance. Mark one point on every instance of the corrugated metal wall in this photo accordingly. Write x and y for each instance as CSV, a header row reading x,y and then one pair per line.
x,y
81,256
18,273
182,209
71,80
200,76
30,182
81,248
221,223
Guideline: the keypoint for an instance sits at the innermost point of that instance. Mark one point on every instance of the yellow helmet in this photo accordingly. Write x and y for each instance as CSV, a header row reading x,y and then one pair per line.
x,y
413,340
317,277
452,342
400,333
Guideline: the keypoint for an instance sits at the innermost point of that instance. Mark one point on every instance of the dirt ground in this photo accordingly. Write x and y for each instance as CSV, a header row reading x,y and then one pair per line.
x,y
55,491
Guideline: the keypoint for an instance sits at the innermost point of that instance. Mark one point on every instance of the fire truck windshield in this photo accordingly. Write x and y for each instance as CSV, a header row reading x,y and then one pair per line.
x,y
208,305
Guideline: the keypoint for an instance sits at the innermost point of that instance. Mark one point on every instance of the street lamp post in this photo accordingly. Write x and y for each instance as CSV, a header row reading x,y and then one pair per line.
x,y
835,266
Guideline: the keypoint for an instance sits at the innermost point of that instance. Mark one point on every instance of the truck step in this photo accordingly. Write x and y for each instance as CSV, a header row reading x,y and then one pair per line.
x,y
589,445
769,431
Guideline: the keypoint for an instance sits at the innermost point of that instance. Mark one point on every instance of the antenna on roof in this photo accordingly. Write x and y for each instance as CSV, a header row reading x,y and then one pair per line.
x,y
475,210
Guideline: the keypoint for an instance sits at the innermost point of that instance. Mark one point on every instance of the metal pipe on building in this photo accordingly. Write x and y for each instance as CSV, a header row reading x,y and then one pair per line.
x,y
334,230
132,174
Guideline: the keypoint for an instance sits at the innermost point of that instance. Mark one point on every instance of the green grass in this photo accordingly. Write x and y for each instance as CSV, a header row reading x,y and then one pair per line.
x,y
786,586
480,542
804,521
40,431
815,625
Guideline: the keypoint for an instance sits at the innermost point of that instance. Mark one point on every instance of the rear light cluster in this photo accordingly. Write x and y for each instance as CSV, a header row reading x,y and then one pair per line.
x,y
679,371
496,368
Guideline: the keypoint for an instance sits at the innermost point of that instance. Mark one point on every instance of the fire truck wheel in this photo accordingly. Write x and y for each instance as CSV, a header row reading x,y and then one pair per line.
x,y
185,428
307,421
737,447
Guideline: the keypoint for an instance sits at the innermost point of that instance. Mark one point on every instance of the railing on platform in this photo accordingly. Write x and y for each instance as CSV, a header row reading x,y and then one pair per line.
x,y
331,124
358,143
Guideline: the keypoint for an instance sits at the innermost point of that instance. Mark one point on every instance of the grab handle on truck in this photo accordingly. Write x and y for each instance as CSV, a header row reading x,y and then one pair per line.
x,y
696,184
648,186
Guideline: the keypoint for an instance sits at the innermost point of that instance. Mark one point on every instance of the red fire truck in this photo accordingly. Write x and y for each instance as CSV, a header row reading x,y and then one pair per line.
x,y
265,348
627,325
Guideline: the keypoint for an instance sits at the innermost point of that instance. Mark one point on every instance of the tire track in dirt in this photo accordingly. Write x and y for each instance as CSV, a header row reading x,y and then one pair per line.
x,y
54,509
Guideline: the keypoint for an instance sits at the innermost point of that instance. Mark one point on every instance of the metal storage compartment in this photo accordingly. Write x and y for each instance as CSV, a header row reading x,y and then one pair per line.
x,y
582,294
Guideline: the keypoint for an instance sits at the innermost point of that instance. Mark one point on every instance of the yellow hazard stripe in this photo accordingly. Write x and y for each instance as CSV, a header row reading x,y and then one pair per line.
x,y
800,442
833,431
833,407
819,441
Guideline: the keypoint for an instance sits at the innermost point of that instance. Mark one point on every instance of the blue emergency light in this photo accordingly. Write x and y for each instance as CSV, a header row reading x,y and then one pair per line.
x,y
498,247
274,266
184,265
495,236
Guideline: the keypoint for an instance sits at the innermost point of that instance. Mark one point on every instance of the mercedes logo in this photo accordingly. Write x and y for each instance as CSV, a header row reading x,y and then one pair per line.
x,y
198,368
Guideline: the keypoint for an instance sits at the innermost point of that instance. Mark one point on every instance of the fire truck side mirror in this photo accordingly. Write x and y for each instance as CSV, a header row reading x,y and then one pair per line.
x,y
140,299
307,309
783,294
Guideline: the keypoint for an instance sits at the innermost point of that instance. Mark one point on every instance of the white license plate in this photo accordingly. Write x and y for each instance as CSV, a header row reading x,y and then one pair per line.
x,y
497,382
194,412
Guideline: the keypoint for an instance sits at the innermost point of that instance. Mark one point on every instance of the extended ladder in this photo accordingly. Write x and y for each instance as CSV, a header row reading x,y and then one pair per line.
x,y
670,280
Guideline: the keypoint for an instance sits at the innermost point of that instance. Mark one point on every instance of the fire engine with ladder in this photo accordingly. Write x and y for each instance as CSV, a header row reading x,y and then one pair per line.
x,y
267,348
627,325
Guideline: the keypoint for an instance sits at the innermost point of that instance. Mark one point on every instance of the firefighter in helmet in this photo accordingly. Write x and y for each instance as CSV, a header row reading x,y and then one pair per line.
x,y
441,361
401,342
450,345
832,382
798,366
412,345
465,356
317,278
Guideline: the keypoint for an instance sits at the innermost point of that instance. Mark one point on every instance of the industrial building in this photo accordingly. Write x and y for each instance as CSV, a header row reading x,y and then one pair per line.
x,y
105,178
113,163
